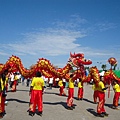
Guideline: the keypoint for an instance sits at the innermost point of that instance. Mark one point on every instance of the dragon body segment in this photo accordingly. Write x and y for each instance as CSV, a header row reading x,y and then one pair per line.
x,y
109,76
43,65
14,64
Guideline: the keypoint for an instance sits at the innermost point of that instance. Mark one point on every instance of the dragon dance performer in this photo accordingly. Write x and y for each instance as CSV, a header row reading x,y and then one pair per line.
x,y
101,96
61,87
80,89
95,94
6,81
2,94
70,92
31,100
36,91
116,89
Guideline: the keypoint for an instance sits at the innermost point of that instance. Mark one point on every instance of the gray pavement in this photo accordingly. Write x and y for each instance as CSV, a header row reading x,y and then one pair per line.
x,y
54,106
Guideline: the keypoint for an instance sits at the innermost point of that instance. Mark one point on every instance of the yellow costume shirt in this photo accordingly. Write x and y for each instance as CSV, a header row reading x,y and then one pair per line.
x,y
101,86
2,84
60,83
80,85
37,83
16,77
71,83
6,79
94,87
116,88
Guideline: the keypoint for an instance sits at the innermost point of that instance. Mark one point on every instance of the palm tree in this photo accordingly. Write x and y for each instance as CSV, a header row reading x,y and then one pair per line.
x,y
115,67
104,66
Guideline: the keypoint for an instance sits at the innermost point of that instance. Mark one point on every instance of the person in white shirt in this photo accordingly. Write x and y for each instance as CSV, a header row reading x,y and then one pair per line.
x,y
64,82
50,82
57,80
19,77
46,81
11,79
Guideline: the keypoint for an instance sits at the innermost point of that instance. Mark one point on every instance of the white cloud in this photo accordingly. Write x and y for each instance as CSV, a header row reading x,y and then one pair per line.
x,y
50,42
53,42
105,26
73,22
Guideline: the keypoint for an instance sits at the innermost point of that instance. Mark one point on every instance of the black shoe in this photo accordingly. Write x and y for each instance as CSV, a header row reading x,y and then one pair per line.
x,y
100,115
1,115
31,113
73,107
70,108
105,114
113,107
81,98
40,113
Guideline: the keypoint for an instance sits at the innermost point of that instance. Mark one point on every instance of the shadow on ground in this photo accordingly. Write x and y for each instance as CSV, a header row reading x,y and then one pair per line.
x,y
64,104
92,111
17,100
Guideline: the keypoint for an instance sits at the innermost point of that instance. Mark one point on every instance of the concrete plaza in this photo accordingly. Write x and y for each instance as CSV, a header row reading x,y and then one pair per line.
x,y
54,106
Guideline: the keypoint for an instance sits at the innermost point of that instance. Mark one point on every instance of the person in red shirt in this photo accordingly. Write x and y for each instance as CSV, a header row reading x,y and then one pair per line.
x,y
36,91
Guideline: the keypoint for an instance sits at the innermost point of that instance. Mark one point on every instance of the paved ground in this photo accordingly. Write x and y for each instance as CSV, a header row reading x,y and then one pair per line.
x,y
55,106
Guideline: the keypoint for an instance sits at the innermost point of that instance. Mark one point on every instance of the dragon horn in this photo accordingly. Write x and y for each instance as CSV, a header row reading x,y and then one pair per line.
x,y
71,55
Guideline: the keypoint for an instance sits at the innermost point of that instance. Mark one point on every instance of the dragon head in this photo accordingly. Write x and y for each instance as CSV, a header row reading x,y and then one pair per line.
x,y
78,60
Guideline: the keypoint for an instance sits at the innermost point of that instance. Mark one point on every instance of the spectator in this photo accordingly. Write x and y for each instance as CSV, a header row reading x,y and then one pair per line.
x,y
50,82
28,82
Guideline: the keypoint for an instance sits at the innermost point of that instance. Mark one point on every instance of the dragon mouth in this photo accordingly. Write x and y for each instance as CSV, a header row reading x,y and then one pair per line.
x,y
86,62
70,62
78,62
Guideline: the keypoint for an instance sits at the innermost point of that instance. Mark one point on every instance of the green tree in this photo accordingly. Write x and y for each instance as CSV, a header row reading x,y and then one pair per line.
x,y
87,68
104,66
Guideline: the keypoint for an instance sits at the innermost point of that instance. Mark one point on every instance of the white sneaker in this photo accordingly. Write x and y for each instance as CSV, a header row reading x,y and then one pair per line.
x,y
6,103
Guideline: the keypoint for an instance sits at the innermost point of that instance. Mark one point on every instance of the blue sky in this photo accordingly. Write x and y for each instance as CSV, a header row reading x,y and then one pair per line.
x,y
51,29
